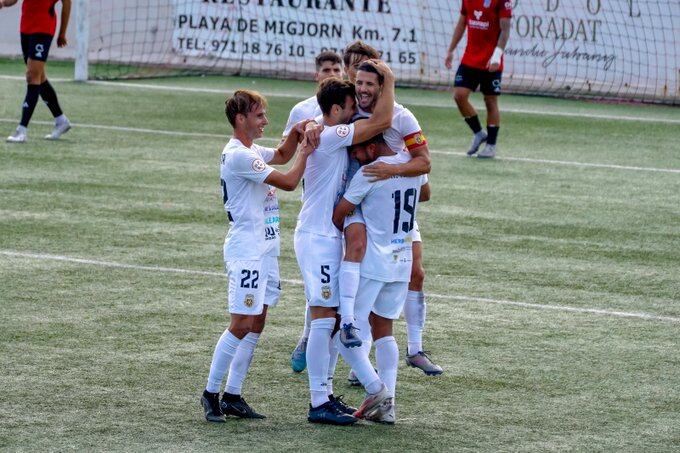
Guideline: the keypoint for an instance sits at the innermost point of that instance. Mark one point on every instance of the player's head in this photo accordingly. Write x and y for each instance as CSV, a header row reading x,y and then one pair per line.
x,y
369,150
368,84
355,54
246,112
336,98
328,64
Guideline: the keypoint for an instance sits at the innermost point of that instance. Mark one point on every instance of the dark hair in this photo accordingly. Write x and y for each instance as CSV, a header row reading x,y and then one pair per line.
x,y
243,102
358,48
327,55
375,140
368,67
334,91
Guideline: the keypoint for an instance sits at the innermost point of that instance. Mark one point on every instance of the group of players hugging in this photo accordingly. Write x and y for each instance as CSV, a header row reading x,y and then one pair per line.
x,y
363,160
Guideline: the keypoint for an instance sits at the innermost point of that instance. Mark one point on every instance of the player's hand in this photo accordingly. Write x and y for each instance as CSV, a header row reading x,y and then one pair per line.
x,y
448,61
300,127
382,68
378,171
312,133
306,148
61,40
493,67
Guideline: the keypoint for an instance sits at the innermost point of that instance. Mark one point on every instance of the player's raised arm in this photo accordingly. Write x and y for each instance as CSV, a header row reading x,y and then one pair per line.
x,y
418,165
286,150
458,33
290,180
384,108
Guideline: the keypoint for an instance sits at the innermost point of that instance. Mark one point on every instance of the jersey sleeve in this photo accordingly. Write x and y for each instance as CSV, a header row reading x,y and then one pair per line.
x,y
463,8
504,9
358,188
249,165
424,179
410,130
335,138
266,153
294,118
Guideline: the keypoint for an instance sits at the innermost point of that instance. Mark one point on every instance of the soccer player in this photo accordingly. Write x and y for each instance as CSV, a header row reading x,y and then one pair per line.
x,y
318,244
389,213
251,246
488,30
38,24
404,136
328,64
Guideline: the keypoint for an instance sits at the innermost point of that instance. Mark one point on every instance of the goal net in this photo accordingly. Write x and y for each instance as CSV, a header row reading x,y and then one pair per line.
x,y
614,49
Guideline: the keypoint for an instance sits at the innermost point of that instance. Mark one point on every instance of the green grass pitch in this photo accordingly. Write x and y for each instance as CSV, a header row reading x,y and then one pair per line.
x,y
553,274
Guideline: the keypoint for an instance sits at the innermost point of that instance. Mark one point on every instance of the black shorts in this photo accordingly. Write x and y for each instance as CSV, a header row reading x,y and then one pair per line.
x,y
489,82
36,46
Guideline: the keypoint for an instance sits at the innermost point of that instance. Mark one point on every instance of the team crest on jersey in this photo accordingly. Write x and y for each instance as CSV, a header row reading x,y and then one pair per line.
x,y
249,301
342,131
487,3
478,14
259,165
326,292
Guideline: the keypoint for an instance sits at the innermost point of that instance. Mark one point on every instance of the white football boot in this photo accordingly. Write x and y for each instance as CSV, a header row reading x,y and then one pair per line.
x,y
477,140
19,135
60,128
488,152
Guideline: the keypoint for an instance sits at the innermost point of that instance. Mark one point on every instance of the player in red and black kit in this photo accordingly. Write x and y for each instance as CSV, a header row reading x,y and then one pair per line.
x,y
488,27
38,25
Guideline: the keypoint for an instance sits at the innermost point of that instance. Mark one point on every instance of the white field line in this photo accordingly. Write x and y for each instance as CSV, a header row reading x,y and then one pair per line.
x,y
433,151
596,311
148,86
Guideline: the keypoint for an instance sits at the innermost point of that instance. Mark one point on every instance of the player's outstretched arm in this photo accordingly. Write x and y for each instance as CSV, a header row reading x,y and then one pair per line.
x,y
65,15
286,150
382,114
418,165
458,33
290,180
342,209
7,3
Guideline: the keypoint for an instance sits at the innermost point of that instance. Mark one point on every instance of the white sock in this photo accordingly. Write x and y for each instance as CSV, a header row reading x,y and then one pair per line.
x,y
224,353
308,322
61,119
318,357
21,128
349,285
334,354
387,360
358,360
241,363
415,311
365,334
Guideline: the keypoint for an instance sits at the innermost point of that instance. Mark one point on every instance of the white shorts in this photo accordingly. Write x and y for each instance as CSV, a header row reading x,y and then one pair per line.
x,y
252,285
319,259
385,299
415,235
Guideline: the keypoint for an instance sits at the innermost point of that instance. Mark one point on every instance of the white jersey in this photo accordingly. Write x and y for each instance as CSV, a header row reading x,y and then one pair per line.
x,y
307,109
389,209
324,181
251,205
404,124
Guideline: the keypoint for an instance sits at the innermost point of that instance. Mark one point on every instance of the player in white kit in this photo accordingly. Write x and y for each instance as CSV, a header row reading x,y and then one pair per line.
x,y
389,211
404,135
251,246
328,64
318,244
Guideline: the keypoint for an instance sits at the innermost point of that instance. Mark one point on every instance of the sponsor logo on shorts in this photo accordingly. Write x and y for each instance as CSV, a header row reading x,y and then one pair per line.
x,y
249,301
342,131
326,292
259,165
39,49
